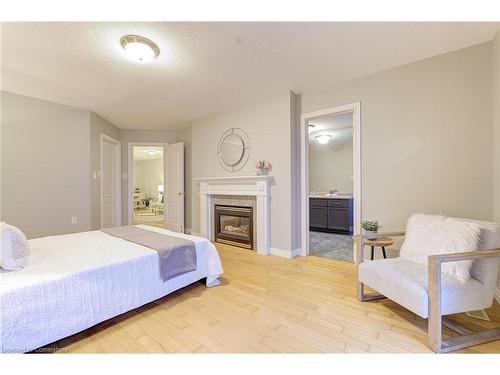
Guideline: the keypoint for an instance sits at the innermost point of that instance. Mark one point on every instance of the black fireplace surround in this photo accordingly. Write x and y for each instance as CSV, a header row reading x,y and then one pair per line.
x,y
234,225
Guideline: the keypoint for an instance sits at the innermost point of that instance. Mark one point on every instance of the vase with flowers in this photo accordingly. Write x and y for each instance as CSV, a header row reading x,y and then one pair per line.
x,y
262,167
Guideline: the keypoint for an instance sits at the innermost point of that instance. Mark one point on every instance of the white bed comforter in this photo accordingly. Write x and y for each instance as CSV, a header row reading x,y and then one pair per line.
x,y
75,281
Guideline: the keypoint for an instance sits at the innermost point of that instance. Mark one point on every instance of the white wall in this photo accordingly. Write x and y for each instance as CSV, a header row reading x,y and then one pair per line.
x,y
426,136
45,166
496,130
147,175
496,124
331,165
267,123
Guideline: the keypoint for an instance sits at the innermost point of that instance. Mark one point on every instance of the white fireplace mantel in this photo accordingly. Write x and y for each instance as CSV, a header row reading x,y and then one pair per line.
x,y
257,186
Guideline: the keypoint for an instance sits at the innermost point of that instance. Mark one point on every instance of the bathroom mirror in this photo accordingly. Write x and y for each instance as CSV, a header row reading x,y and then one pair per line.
x,y
233,149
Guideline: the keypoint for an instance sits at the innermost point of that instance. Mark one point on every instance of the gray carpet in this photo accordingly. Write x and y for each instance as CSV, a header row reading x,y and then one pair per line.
x,y
331,245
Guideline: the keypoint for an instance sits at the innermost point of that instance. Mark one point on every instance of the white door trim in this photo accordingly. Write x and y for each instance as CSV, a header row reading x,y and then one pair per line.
x,y
355,108
117,214
176,173
130,200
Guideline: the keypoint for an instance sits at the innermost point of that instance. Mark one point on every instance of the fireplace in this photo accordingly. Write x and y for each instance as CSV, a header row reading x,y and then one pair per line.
x,y
234,225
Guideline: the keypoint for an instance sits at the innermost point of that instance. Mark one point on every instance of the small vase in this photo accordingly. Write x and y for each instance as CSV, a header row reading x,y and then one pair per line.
x,y
371,234
261,172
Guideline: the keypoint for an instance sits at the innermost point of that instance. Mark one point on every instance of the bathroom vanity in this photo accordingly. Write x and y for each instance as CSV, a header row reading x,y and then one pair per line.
x,y
329,213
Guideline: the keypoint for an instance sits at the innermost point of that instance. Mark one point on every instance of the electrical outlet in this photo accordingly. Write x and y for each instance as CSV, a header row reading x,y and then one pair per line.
x,y
74,220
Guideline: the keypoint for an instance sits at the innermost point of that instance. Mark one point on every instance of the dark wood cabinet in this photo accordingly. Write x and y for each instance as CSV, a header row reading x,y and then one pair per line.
x,y
338,219
318,217
331,215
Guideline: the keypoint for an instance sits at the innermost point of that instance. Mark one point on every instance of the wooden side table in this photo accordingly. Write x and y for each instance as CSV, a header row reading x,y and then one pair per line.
x,y
381,242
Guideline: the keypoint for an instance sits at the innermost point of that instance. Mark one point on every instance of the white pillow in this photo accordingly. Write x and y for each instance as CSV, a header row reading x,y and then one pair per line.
x,y
15,248
434,234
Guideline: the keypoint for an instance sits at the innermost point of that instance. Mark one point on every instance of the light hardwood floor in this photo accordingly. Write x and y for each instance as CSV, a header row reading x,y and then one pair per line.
x,y
159,224
268,305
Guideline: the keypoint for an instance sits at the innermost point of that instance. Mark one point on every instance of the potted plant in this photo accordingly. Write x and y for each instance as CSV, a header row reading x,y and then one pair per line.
x,y
371,228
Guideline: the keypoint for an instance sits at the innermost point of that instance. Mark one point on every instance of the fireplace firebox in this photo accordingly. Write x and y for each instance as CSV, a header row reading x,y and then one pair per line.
x,y
234,225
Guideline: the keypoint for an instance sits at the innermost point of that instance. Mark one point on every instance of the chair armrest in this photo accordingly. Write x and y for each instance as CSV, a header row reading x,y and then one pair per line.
x,y
468,255
434,265
359,240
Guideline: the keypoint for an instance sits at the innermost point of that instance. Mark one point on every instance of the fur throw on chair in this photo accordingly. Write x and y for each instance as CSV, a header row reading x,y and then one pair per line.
x,y
434,234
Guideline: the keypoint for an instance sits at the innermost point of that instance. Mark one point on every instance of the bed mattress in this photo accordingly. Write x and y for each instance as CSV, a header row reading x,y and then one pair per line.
x,y
74,281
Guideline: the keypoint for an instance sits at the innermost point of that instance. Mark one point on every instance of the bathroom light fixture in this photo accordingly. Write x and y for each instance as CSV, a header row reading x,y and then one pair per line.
x,y
139,49
323,139
152,152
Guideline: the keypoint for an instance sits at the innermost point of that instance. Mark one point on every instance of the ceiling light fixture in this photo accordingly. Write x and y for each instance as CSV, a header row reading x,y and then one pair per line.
x,y
139,49
153,152
323,139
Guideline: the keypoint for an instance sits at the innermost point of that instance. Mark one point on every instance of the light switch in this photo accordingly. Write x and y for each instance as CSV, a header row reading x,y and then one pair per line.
x,y
94,176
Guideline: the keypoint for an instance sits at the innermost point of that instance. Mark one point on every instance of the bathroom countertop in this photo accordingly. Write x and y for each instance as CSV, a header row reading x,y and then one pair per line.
x,y
328,196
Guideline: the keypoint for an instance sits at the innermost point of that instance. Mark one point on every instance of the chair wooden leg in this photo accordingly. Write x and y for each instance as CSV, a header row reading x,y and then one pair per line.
x,y
458,328
470,339
434,332
467,339
360,287
434,328
360,292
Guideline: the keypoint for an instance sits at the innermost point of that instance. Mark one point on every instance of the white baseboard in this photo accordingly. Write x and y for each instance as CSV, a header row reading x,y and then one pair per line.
x,y
285,253
497,295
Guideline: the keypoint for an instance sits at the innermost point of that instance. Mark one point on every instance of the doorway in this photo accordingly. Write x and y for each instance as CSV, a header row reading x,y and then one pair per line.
x,y
110,182
156,185
331,181
148,181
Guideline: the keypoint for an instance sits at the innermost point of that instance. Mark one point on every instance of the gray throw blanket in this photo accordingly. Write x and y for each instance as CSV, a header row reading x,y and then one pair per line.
x,y
177,255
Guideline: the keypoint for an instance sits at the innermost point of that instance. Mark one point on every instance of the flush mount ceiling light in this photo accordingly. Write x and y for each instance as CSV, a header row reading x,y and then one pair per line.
x,y
323,138
139,49
153,152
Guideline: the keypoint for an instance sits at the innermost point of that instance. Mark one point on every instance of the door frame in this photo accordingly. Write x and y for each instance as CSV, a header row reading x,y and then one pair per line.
x,y
130,200
355,108
182,194
117,214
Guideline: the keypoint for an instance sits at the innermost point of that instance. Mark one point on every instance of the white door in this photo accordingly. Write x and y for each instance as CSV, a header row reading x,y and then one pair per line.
x,y
108,188
174,187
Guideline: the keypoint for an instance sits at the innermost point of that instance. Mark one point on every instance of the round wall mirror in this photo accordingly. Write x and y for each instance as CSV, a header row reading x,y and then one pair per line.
x,y
234,149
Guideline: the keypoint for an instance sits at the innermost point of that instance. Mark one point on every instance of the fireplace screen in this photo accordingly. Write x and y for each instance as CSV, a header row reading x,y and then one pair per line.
x,y
234,225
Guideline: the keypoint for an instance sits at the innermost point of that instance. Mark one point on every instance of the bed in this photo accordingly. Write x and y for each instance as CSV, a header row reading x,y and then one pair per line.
x,y
73,282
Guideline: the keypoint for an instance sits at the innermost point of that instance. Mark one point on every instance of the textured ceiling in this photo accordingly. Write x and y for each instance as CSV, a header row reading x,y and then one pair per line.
x,y
205,68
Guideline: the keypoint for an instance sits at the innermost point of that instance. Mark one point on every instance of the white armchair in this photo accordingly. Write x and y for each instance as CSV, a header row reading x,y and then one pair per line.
x,y
429,293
